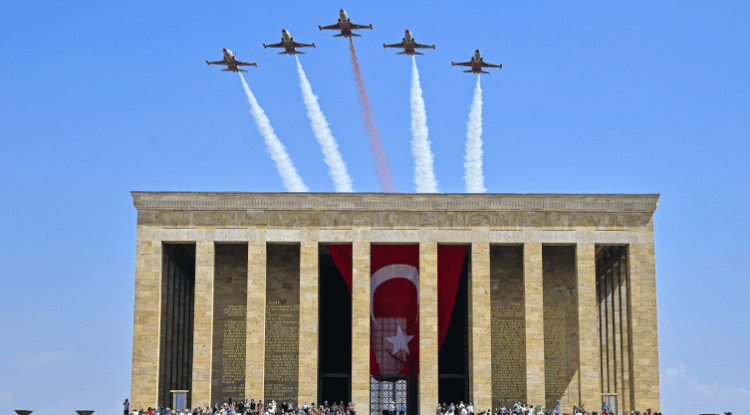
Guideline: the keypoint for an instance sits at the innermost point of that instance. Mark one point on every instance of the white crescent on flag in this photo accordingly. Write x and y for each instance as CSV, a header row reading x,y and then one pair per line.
x,y
390,272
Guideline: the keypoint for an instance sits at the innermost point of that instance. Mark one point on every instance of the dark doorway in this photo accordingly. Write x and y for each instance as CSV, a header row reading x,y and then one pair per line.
x,y
453,359
394,389
335,332
176,337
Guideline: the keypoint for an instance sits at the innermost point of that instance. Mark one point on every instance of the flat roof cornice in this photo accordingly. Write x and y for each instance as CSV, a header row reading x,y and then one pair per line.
x,y
396,201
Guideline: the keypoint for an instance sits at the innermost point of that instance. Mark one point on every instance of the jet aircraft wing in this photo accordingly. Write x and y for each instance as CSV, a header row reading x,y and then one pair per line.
x,y
216,63
274,45
359,26
303,45
461,63
246,64
489,65
395,45
336,26
421,46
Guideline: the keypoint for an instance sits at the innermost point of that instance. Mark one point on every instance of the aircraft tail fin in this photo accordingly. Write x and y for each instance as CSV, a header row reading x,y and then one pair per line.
x,y
485,72
241,70
339,35
468,71
354,34
401,53
281,53
300,53
418,53
226,70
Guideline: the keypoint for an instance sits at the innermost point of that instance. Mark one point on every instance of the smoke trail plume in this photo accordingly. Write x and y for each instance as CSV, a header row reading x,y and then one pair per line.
x,y
338,172
381,160
288,173
473,162
424,176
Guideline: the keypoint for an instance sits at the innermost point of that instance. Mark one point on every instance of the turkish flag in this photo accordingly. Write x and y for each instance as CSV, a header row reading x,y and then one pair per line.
x,y
394,312
394,301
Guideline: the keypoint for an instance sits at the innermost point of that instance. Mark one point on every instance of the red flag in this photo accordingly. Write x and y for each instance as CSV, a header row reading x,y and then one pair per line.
x,y
342,256
394,313
450,265
394,291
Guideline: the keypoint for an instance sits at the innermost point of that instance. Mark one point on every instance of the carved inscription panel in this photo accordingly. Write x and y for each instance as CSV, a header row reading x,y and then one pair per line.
x,y
230,305
560,325
282,323
508,325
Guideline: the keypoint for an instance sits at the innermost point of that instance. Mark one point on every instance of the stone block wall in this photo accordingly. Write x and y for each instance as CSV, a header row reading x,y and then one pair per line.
x,y
282,322
560,326
230,323
508,325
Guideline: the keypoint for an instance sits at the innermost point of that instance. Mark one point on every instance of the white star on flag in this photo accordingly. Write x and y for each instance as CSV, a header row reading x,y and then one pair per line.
x,y
400,341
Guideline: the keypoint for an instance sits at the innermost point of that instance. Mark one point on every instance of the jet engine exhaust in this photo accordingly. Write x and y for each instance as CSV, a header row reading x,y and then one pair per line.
x,y
340,176
381,159
473,162
424,175
288,173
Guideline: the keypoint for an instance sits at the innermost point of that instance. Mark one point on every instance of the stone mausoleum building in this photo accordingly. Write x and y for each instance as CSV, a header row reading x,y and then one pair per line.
x,y
504,297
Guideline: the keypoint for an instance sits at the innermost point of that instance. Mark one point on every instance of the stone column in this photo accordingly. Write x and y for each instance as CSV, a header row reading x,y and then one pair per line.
x,y
255,340
361,326
428,330
308,323
480,346
203,323
146,328
625,401
588,333
644,355
617,337
533,292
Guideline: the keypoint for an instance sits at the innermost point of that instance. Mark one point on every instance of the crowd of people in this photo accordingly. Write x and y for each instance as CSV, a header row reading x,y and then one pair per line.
x,y
517,408
290,408
250,407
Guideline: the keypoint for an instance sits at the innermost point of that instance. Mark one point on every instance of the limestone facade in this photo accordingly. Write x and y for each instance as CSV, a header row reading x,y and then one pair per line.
x,y
508,237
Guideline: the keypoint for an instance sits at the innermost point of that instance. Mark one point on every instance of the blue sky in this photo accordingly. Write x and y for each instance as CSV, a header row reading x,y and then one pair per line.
x,y
101,98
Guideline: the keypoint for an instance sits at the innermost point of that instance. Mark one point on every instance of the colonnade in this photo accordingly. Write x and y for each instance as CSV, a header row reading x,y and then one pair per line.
x,y
589,377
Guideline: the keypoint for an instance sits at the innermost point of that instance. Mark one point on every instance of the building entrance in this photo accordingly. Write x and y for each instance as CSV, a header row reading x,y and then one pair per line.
x,y
401,391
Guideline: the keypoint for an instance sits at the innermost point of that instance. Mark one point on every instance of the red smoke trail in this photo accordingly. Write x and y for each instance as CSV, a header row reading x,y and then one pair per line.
x,y
381,160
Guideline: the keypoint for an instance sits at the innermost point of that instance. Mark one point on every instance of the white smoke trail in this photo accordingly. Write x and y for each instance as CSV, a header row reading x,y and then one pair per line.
x,y
288,173
473,163
424,175
340,176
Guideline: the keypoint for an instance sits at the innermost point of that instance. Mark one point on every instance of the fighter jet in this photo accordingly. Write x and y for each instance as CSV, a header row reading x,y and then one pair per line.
x,y
231,61
409,45
288,43
345,25
477,63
